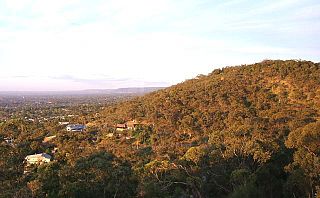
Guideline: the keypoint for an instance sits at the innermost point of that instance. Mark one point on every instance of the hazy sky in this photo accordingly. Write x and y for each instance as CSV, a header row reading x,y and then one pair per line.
x,y
82,44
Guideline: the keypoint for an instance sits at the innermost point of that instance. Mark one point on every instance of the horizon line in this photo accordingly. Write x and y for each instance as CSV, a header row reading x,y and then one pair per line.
x,y
81,90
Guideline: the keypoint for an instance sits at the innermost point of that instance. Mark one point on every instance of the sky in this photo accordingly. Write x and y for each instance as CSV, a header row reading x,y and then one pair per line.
x,y
51,45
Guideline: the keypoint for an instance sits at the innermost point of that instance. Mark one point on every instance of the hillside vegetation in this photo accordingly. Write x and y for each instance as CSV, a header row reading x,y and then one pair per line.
x,y
245,131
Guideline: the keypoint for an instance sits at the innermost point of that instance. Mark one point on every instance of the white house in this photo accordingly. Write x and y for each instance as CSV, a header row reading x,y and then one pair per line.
x,y
38,158
63,123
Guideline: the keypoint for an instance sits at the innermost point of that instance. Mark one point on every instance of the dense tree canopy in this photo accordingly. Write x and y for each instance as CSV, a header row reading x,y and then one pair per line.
x,y
255,122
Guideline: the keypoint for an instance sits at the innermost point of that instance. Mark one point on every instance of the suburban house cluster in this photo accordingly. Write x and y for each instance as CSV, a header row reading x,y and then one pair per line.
x,y
41,158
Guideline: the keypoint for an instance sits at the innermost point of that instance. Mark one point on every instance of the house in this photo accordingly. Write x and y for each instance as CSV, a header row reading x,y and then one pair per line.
x,y
49,139
63,123
121,127
38,158
76,127
129,137
8,140
55,150
131,125
110,135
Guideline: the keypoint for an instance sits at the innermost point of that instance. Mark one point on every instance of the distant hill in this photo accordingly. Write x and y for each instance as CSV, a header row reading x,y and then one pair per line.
x,y
252,129
129,90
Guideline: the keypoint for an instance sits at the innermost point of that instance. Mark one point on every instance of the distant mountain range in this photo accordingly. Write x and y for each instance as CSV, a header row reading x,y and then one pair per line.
x,y
128,90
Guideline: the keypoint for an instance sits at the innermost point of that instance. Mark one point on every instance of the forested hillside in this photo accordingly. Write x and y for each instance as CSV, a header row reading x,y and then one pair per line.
x,y
246,131
243,131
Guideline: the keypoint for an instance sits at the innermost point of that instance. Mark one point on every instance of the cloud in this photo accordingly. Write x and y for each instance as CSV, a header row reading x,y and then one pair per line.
x,y
105,81
116,42
19,76
93,80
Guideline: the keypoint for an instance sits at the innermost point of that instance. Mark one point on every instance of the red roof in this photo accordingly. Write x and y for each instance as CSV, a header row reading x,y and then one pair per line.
x,y
121,126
